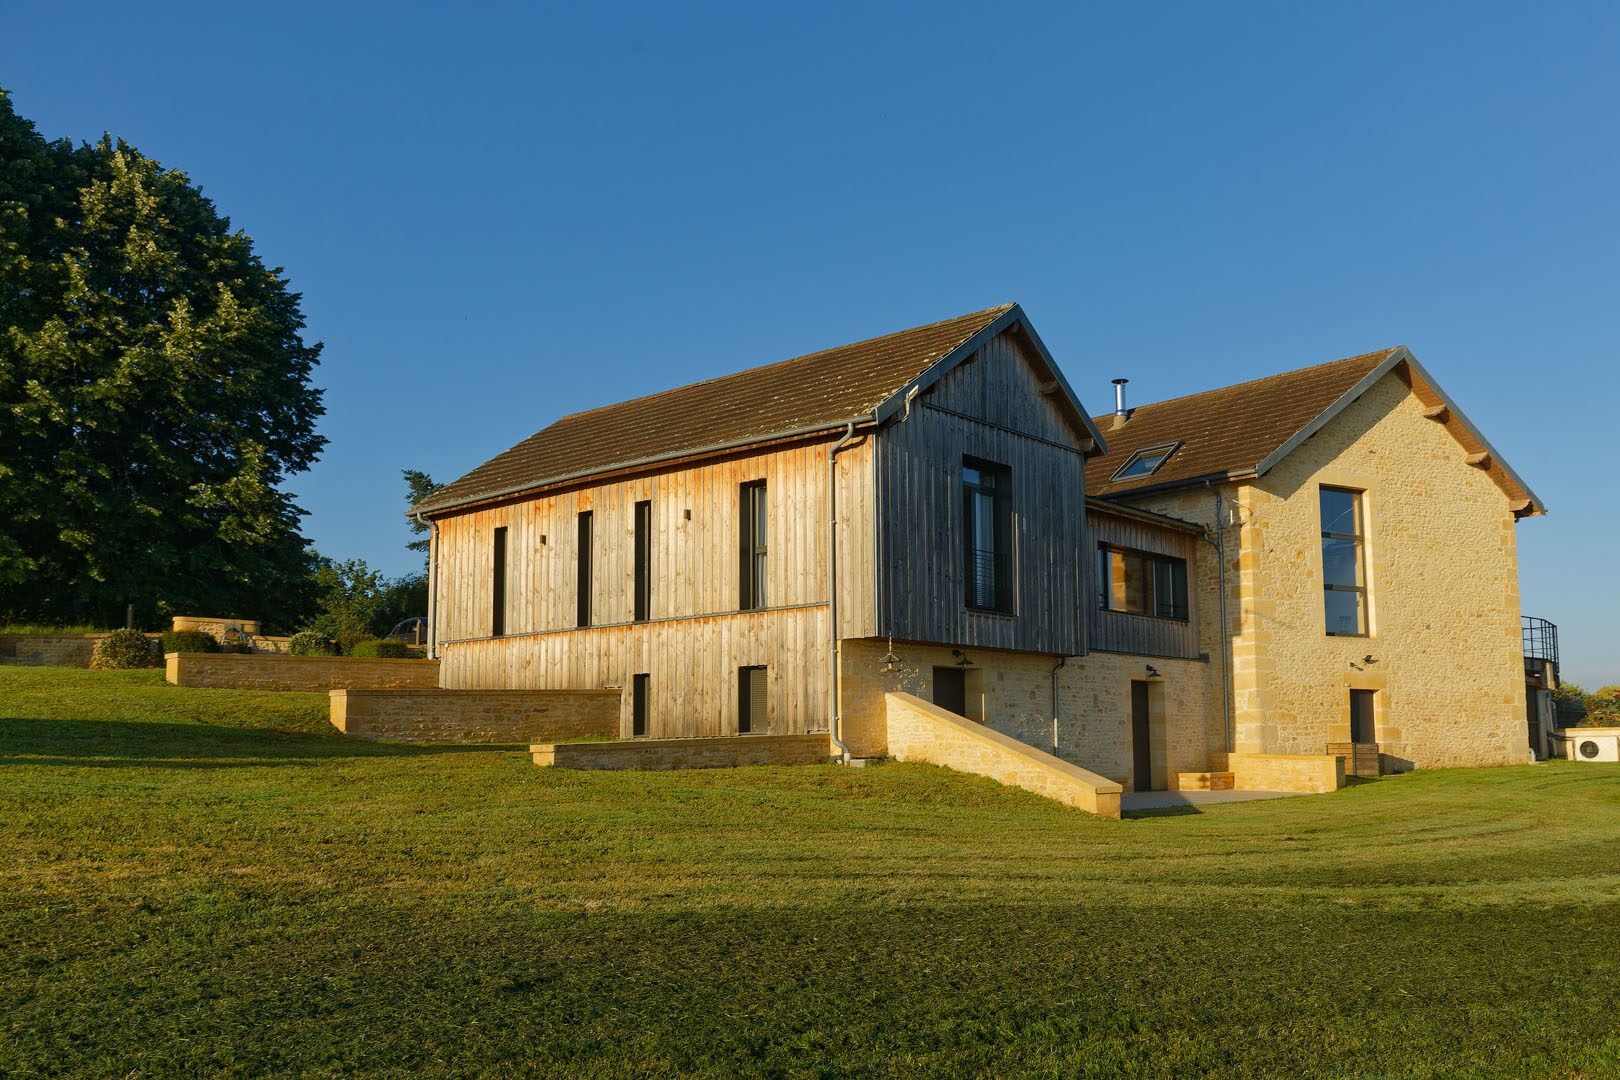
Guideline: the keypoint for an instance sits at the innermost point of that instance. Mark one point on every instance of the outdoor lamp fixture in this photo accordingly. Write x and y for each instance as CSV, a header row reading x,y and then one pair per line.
x,y
1153,672
890,662
1368,659
964,661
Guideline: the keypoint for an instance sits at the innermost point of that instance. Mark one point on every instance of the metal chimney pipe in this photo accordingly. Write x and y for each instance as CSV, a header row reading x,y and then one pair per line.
x,y
1119,396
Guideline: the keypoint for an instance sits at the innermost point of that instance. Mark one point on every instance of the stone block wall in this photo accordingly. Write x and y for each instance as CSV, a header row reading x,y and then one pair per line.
x,y
1442,580
1305,773
1011,693
922,731
722,752
262,671
51,650
476,716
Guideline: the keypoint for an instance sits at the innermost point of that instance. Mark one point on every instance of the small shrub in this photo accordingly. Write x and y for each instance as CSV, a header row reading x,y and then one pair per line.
x,y
124,649
348,639
189,641
382,650
310,643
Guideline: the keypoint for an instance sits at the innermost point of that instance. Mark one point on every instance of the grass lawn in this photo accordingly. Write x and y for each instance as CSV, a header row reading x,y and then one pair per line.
x,y
208,882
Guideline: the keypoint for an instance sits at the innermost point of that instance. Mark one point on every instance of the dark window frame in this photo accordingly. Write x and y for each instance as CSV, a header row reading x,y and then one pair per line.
x,y
497,617
753,546
1359,539
1163,452
1180,606
640,691
747,722
988,575
641,601
583,575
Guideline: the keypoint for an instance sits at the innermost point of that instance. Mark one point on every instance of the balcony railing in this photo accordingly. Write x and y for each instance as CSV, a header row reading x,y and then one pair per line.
x,y
989,586
1540,639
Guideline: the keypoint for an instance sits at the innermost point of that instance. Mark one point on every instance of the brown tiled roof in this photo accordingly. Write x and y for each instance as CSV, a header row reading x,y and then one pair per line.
x,y
822,388
1225,431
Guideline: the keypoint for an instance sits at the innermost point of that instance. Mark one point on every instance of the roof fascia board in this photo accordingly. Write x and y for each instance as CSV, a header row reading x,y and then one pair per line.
x,y
426,508
1468,425
1171,485
1401,354
1321,419
1013,316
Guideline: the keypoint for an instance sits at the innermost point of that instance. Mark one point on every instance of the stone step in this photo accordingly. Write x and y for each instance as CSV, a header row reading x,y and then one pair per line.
x,y
1204,781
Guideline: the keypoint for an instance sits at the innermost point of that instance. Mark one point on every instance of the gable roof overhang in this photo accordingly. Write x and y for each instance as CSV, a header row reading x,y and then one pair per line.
x,y
1008,318
1438,407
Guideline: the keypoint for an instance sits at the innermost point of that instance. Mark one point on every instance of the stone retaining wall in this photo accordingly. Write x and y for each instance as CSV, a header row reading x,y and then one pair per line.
x,y
722,752
266,671
1305,773
922,731
476,716
51,650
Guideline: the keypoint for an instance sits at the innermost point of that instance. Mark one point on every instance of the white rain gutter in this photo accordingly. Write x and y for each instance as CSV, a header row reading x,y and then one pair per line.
x,y
433,586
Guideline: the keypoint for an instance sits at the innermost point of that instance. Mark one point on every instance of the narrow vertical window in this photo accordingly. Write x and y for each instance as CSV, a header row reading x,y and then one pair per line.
x,y
583,585
643,597
638,705
497,621
751,700
751,584
1344,578
987,535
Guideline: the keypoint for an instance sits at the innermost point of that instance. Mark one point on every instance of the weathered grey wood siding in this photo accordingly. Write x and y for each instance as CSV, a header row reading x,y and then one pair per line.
x,y
990,408
695,637
1117,631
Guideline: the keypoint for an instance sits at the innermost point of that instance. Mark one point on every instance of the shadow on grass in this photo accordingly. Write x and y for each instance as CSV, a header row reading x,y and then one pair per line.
x,y
41,741
1161,811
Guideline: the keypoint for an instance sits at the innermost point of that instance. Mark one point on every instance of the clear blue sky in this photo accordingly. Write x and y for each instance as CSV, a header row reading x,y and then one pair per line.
x,y
501,213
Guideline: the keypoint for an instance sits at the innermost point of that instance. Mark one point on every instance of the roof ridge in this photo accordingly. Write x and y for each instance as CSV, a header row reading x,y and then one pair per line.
x,y
1251,382
996,311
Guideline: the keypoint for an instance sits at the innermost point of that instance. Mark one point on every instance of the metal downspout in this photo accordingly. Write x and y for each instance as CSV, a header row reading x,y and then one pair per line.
x,y
1062,660
835,721
1226,663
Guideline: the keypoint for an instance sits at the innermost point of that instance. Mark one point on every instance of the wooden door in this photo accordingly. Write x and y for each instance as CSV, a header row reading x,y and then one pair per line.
x,y
1141,737
950,689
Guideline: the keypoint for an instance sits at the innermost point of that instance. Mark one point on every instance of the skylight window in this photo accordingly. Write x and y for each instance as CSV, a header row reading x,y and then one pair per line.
x,y
1145,462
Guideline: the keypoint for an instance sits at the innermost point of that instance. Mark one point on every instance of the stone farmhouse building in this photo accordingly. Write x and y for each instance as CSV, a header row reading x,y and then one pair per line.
x,y
1317,563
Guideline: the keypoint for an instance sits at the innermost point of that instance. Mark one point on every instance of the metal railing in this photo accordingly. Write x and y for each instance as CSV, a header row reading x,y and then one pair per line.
x,y
989,586
1540,639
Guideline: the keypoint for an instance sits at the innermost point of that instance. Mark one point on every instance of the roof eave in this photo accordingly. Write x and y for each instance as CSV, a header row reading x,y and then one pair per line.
x,y
427,508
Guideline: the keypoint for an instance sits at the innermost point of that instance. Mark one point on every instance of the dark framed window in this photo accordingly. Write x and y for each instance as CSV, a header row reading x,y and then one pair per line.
x,y
1141,583
1344,576
643,589
752,546
751,700
1361,716
582,585
987,535
638,704
497,618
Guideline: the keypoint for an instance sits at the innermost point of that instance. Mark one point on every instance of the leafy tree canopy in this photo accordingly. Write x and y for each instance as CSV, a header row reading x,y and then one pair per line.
x,y
154,393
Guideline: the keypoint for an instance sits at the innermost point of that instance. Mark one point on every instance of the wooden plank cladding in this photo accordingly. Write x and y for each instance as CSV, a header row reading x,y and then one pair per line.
x,y
691,666
691,556
1360,759
989,410
1125,632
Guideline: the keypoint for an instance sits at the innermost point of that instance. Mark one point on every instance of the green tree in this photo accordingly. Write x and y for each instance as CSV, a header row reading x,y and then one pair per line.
x,y
418,486
154,394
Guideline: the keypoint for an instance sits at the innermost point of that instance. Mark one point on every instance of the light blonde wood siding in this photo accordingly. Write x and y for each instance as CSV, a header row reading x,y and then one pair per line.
x,y
990,408
1117,631
695,638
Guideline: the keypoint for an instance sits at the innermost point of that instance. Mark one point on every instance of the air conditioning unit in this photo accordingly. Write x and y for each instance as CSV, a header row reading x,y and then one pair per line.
x,y
1594,747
